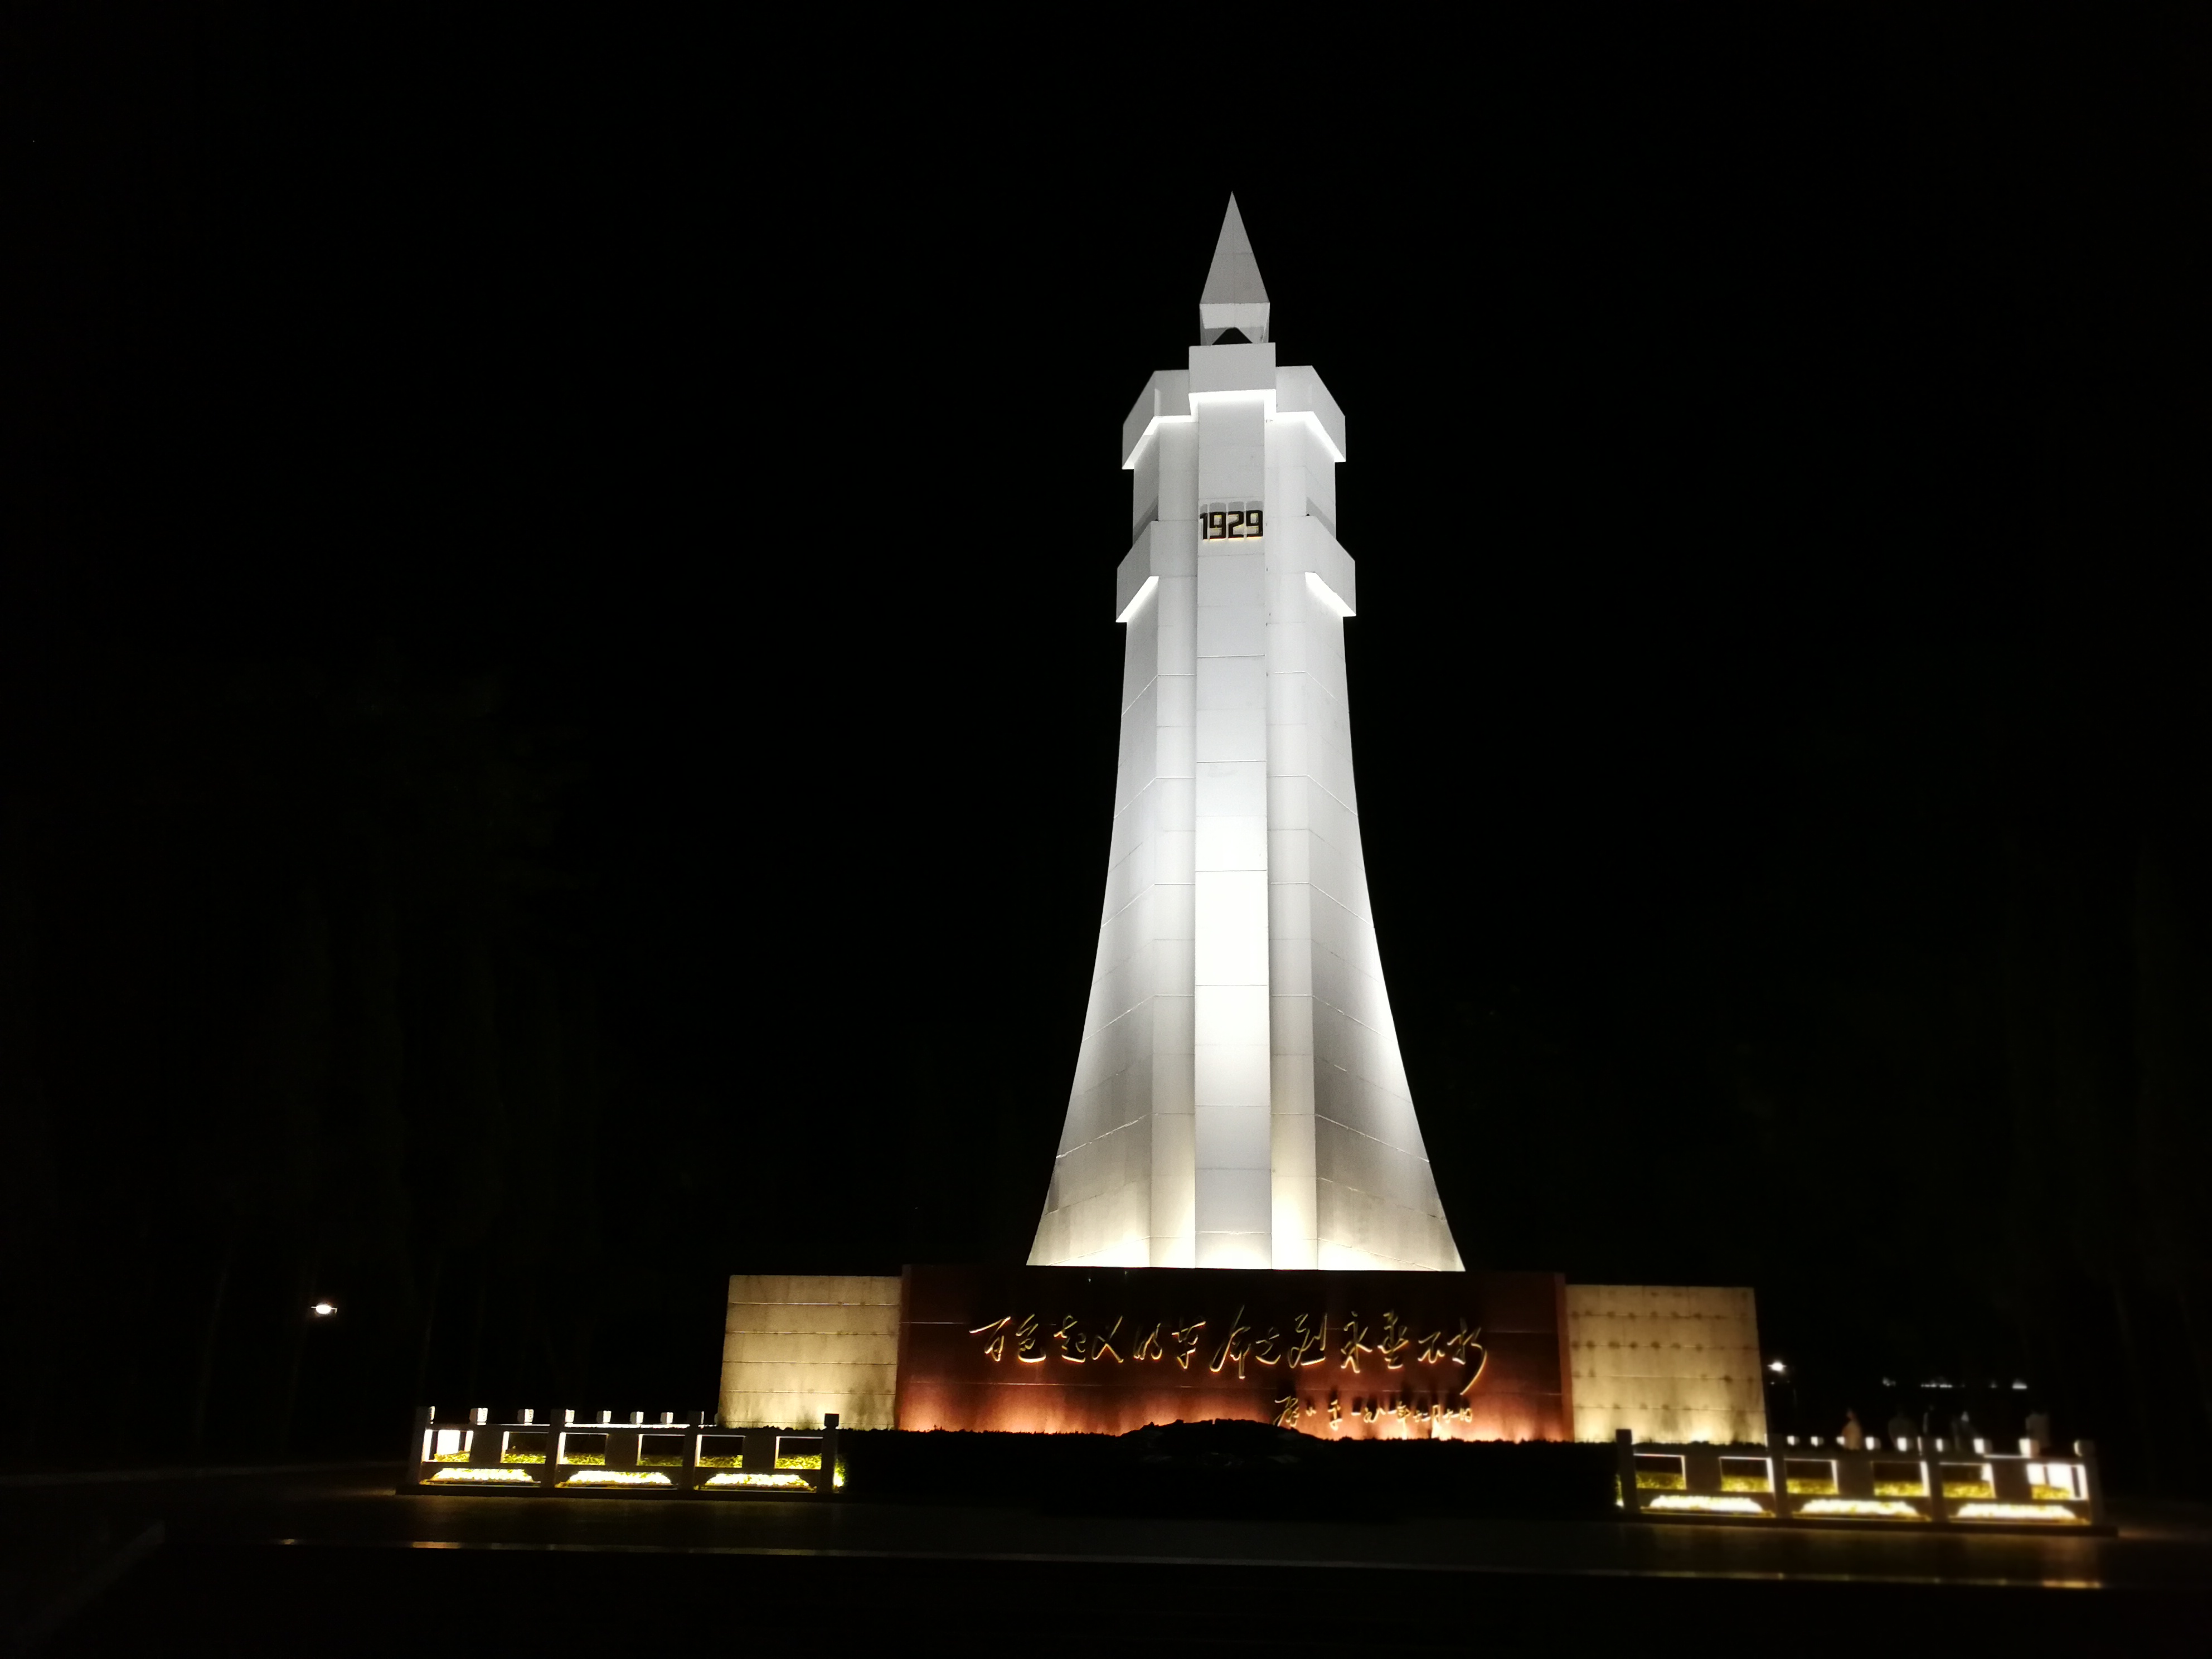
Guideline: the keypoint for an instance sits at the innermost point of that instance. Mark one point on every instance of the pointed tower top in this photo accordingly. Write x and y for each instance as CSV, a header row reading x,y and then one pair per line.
x,y
1235,297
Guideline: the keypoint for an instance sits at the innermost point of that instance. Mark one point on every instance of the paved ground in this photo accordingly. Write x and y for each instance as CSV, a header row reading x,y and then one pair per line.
x,y
332,1562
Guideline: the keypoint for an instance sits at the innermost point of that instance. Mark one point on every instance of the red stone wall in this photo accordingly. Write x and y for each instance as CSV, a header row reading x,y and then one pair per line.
x,y
1361,1355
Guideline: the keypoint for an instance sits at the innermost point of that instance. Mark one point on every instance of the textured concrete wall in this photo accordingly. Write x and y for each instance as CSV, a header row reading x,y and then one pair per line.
x,y
795,1346
1669,1362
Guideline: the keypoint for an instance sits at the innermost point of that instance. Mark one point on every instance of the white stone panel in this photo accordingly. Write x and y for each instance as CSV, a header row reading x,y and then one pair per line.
x,y
1238,684
1217,371
1229,579
1231,789
1232,631
1231,450
1232,844
1233,1137
1231,914
1230,735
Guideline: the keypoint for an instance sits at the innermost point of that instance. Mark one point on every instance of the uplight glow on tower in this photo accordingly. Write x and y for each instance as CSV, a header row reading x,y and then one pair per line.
x,y
1239,1099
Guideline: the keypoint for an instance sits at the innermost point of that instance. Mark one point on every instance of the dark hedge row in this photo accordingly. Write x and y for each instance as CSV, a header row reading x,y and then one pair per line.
x,y
1241,1468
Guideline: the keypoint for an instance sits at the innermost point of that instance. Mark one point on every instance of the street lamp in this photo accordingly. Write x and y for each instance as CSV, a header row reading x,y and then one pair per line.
x,y
323,1310
1780,1371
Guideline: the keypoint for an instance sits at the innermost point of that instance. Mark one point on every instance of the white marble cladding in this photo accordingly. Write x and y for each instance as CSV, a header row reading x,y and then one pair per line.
x,y
1673,1364
795,1346
1238,1098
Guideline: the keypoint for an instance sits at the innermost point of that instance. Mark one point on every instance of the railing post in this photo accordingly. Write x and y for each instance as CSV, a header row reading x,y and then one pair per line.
x,y
1624,1446
2087,1451
483,1444
1701,1469
1854,1474
688,1480
557,1423
622,1444
828,1470
418,1446
1939,1507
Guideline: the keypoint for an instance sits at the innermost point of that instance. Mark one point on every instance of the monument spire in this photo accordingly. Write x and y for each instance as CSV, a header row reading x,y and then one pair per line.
x,y
1239,1100
1235,297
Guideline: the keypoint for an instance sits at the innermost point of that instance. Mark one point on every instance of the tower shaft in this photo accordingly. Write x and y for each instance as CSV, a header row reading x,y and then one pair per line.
x,y
1239,1099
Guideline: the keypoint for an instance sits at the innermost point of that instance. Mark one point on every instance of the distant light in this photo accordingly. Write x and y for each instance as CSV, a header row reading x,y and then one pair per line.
x,y
1777,1368
1888,1381
2019,1387
323,1310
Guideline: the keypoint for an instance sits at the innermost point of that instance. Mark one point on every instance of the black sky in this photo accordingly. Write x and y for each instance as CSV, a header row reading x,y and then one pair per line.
x,y
1776,476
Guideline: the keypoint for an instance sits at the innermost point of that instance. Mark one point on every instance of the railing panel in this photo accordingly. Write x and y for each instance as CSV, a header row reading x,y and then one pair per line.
x,y
558,1452
1926,1485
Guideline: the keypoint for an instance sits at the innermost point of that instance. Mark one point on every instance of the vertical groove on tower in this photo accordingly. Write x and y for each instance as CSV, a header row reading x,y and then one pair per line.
x,y
1173,1223
1230,961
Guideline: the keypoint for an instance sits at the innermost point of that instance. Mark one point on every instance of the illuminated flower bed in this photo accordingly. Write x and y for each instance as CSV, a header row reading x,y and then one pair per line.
x,y
521,1457
1691,1502
1862,1509
2049,1514
775,1482
483,1478
616,1478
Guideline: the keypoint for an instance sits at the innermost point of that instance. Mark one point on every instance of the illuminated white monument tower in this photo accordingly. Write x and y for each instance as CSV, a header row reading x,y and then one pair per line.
x,y
1239,1100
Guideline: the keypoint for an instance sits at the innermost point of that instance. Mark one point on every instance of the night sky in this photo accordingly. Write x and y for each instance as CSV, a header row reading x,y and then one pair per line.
x,y
561,693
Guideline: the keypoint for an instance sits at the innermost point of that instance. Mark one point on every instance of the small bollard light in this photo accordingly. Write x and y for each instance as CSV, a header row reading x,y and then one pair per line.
x,y
323,1310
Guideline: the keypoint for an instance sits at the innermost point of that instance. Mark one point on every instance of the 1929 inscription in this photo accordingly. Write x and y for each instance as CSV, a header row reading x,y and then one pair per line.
x,y
1230,521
